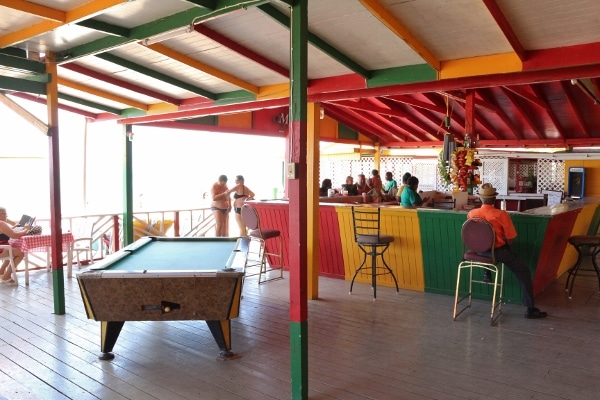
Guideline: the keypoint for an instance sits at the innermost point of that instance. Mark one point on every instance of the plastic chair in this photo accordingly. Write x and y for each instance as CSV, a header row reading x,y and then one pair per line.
x,y
84,243
367,234
479,240
259,236
586,246
7,254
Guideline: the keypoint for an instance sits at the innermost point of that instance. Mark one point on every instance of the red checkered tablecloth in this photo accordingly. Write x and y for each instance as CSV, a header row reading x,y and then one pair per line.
x,y
39,242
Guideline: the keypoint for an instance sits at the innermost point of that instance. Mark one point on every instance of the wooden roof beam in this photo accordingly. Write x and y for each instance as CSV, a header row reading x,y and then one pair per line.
x,y
506,29
521,111
401,31
576,110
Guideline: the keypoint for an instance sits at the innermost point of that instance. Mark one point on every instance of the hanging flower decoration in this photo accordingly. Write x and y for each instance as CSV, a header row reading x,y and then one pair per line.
x,y
462,169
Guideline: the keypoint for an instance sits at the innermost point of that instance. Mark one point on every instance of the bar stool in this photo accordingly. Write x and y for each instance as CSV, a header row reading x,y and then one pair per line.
x,y
259,236
586,245
478,238
367,234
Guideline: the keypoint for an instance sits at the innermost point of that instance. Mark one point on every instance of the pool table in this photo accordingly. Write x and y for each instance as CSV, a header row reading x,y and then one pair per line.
x,y
167,279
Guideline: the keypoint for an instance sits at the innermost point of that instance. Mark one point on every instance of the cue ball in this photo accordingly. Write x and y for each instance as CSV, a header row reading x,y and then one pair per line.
x,y
167,309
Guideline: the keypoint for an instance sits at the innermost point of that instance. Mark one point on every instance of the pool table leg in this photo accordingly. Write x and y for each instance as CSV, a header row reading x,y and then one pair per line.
x,y
221,331
109,333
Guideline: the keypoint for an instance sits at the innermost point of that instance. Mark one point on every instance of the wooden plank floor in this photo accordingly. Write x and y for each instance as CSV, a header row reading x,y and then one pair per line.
x,y
402,346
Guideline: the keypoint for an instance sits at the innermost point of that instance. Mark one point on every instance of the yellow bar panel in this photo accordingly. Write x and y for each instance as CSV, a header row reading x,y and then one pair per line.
x,y
35,9
581,226
403,256
164,50
101,93
496,64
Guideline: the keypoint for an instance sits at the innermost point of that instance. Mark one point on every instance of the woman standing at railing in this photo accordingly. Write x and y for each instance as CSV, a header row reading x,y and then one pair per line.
x,y
220,206
241,193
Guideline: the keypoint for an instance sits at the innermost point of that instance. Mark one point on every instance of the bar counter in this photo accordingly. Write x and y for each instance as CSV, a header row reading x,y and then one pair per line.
x,y
428,247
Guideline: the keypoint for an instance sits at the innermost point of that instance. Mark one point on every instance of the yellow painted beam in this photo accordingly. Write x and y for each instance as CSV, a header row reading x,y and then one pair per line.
x,y
496,64
85,11
166,51
35,9
161,108
274,91
401,31
102,93
312,204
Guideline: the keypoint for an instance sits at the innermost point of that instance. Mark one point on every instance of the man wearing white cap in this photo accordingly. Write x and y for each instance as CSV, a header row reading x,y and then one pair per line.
x,y
505,234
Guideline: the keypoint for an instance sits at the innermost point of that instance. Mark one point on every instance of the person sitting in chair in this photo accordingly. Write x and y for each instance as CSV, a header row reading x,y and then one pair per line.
x,y
505,233
7,231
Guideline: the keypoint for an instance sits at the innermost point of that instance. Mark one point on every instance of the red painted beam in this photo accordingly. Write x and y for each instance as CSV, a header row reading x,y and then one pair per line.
x,y
120,83
234,46
505,27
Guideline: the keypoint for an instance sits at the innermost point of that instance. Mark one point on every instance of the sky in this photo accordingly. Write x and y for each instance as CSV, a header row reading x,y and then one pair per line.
x,y
171,168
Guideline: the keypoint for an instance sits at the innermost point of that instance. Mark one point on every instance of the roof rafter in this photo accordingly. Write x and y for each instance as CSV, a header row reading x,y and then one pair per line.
x,y
102,93
576,111
234,46
535,89
191,62
521,111
504,25
401,31
318,42
72,16
155,74
35,9
425,132
119,82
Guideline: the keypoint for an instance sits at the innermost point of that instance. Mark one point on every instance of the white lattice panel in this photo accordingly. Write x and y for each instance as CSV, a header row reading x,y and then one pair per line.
x,y
494,170
550,175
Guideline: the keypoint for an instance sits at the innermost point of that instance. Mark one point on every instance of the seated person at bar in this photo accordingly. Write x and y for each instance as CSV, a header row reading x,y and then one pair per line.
x,y
404,183
391,187
361,185
505,234
325,186
375,184
350,187
410,197
7,231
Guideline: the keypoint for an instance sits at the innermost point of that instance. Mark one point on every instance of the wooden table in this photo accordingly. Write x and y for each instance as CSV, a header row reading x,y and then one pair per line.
x,y
42,243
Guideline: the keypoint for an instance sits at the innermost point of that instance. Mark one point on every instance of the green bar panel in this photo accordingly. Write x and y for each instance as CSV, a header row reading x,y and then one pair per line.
x,y
299,359
442,251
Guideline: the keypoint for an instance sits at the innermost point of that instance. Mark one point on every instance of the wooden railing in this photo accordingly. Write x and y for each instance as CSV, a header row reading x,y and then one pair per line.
x,y
106,230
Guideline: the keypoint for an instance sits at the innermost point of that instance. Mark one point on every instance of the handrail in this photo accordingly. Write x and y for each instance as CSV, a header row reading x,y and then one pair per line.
x,y
196,222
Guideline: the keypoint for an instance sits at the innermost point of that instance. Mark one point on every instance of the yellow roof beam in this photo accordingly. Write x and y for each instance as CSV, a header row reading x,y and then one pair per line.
x,y
102,93
401,31
217,73
35,9
85,11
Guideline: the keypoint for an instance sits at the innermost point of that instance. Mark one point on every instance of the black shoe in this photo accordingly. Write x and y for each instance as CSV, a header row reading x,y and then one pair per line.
x,y
487,277
534,313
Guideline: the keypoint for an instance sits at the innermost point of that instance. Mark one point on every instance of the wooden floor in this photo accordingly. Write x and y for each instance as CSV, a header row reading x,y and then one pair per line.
x,y
402,346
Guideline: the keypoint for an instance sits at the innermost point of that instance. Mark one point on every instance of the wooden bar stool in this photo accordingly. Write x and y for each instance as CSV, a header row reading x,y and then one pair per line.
x,y
586,246
370,240
479,239
259,235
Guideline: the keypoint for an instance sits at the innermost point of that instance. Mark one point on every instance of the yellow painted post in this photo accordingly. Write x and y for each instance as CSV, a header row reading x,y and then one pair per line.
x,y
312,160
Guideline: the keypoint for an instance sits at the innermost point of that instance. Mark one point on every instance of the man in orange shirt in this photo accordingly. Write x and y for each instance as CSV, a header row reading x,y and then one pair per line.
x,y
505,233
